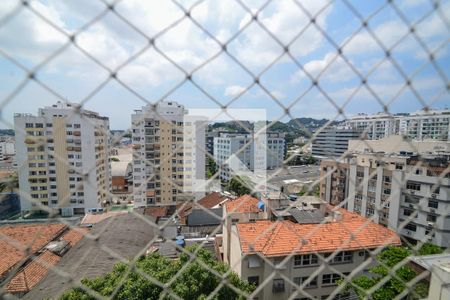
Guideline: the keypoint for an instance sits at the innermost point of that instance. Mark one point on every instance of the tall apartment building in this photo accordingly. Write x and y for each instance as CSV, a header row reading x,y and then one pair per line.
x,y
169,154
407,193
297,249
62,157
420,125
333,141
263,151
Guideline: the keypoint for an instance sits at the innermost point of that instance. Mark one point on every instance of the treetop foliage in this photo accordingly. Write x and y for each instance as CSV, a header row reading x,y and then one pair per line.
x,y
193,280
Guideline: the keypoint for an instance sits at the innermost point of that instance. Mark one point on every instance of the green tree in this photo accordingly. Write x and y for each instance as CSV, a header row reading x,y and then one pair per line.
x,y
386,261
212,167
195,281
428,249
240,185
115,159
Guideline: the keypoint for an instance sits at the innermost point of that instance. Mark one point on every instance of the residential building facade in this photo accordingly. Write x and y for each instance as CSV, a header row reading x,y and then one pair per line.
x,y
333,141
167,161
407,193
289,257
420,125
62,157
254,151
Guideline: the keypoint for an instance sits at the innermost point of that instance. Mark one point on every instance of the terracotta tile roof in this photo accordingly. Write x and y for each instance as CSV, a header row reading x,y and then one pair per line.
x,y
243,204
22,236
156,211
285,237
33,272
74,235
209,201
92,219
212,199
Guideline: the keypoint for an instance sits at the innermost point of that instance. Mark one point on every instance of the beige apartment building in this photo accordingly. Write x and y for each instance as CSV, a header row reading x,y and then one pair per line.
x,y
407,193
298,249
167,161
62,157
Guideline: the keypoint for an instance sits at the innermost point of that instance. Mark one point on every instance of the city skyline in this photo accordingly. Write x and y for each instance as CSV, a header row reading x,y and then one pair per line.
x,y
74,76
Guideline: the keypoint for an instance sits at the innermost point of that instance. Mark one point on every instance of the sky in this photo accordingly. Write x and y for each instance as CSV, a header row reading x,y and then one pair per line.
x,y
151,46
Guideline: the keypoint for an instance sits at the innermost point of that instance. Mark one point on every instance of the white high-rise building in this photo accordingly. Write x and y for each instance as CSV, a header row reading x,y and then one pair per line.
x,y
420,125
62,157
169,154
254,151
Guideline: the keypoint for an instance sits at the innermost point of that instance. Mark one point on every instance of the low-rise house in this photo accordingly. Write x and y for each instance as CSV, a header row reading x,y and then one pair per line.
x,y
298,248
121,184
47,242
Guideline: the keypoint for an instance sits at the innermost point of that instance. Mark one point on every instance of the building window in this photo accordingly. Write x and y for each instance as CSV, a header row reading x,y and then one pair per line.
x,y
408,212
300,280
387,191
253,280
433,204
343,257
387,178
369,211
29,125
331,279
431,218
305,260
278,286
411,227
413,186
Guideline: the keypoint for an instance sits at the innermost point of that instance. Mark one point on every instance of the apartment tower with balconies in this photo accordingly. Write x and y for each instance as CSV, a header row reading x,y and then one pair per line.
x,y
62,157
168,155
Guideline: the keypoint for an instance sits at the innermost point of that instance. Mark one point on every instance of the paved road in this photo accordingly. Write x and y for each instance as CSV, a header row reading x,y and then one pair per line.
x,y
126,235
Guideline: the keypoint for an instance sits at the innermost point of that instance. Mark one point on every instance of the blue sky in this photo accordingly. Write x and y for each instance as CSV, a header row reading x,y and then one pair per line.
x,y
73,76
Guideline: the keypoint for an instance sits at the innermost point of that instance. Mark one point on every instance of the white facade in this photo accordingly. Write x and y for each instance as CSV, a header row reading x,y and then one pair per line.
x,y
62,157
265,152
333,141
167,162
420,125
407,194
7,149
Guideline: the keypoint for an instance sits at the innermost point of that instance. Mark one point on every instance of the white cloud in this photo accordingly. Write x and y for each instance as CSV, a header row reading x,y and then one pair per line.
x,y
234,90
331,67
278,94
284,19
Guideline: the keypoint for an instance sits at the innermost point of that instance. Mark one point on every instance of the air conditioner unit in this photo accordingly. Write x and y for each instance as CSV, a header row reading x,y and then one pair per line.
x,y
431,224
432,210
433,195
412,192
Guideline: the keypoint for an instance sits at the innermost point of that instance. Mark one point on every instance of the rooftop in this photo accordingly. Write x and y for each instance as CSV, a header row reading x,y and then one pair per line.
x,y
96,218
29,277
15,239
211,200
282,238
120,168
427,261
243,204
156,211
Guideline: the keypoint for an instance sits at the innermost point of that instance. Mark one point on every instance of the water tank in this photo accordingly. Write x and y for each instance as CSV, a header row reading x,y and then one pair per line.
x,y
261,205
293,197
